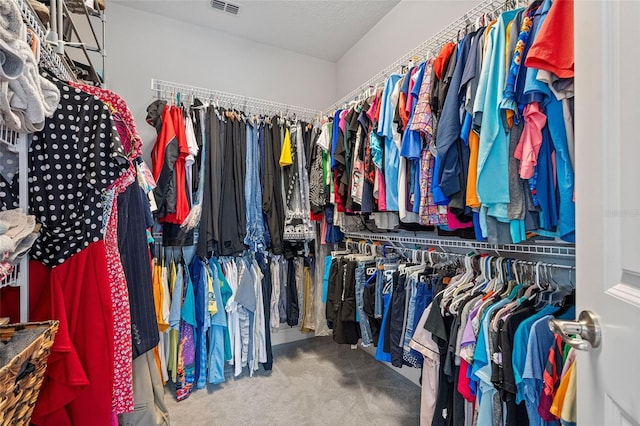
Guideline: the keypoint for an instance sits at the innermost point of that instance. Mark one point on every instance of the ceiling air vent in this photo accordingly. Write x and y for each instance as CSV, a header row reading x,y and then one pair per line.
x,y
217,4
225,7
232,8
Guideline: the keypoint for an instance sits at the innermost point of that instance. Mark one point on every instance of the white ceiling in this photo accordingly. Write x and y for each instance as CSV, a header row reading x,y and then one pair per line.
x,y
324,29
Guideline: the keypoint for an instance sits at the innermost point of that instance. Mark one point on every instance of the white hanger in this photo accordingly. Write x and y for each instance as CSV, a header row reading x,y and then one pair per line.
x,y
463,282
538,264
414,256
500,284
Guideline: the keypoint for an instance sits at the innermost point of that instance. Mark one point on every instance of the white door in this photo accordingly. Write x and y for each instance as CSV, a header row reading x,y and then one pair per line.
x,y
607,122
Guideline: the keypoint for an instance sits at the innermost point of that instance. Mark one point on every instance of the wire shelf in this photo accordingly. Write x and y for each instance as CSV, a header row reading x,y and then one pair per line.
x,y
48,58
11,280
352,245
555,250
18,143
9,137
428,48
80,7
167,91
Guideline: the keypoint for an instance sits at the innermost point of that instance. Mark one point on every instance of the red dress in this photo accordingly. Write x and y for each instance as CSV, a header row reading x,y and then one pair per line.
x,y
79,379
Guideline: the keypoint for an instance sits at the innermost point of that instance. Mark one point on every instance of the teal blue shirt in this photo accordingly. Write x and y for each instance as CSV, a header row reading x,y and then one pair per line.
x,y
391,151
493,156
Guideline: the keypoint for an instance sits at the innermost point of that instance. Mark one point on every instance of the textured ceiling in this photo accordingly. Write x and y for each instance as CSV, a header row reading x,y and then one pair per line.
x,y
323,29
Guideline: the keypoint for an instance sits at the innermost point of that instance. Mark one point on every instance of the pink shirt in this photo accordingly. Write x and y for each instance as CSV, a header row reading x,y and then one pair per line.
x,y
382,192
453,222
412,83
530,140
343,120
371,113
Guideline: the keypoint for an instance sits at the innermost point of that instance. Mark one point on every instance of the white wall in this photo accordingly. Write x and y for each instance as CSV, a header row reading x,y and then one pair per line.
x,y
406,26
141,46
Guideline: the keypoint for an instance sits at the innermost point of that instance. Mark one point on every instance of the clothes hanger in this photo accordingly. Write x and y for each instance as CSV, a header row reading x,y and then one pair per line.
x,y
502,281
483,279
557,294
531,291
362,250
467,281
371,247
430,257
458,284
478,23
513,285
416,267
488,289
423,257
513,290
360,256
507,309
487,294
336,253
508,279
463,291
538,275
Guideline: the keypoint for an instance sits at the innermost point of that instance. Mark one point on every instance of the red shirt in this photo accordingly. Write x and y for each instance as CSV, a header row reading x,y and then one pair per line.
x,y
443,59
552,50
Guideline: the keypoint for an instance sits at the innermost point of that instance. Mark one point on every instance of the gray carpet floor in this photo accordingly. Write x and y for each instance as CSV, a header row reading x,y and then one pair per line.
x,y
313,382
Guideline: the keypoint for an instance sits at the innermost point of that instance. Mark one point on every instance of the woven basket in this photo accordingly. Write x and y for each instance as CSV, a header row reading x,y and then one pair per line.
x,y
24,349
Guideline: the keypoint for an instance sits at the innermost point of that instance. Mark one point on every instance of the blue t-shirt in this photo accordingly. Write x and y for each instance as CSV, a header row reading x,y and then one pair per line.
x,y
540,340
520,341
325,278
334,137
391,152
481,369
188,312
480,356
415,92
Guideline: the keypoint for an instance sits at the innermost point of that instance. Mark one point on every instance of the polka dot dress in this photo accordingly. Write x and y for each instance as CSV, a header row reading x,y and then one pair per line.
x,y
72,162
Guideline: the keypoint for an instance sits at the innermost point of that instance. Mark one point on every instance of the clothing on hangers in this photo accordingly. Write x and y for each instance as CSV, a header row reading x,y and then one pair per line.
x,y
446,137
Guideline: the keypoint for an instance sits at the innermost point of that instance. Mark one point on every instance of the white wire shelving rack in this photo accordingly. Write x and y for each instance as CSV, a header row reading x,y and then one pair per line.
x,y
355,246
18,143
19,277
168,91
49,59
72,9
563,251
430,47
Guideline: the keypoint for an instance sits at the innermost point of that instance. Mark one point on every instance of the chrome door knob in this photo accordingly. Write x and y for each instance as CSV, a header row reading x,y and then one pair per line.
x,y
586,330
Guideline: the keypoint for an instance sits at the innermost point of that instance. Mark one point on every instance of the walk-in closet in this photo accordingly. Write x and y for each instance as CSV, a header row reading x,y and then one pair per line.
x,y
319,212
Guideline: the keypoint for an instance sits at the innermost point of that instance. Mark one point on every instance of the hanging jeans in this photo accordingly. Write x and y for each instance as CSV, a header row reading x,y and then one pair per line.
x,y
363,318
424,296
412,292
253,191
386,267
